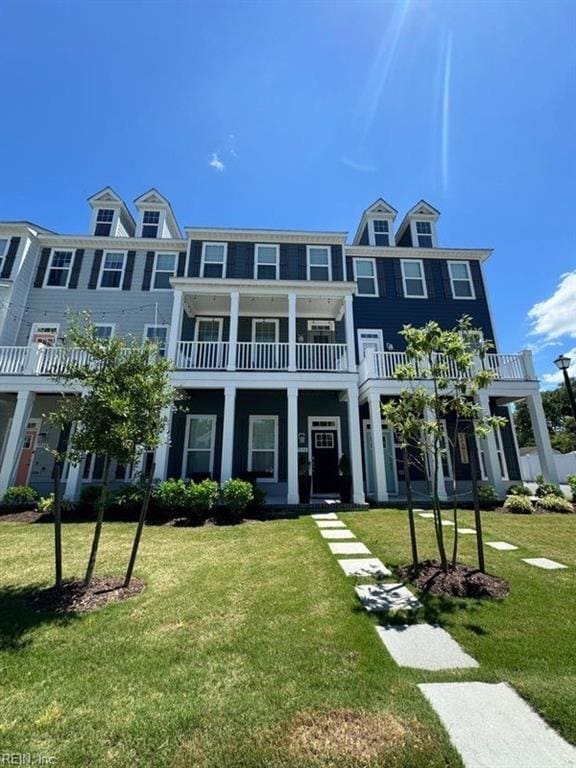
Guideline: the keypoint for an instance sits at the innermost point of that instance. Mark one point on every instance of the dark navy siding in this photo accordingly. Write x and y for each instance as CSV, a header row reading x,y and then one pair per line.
x,y
201,401
256,402
406,239
337,262
364,236
322,404
195,258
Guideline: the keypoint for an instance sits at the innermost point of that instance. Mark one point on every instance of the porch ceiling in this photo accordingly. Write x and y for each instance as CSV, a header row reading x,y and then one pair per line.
x,y
274,305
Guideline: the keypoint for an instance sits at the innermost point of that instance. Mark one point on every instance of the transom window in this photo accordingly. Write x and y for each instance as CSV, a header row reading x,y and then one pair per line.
x,y
158,334
413,279
112,270
424,234
369,338
321,332
266,262
103,331
200,443
365,277
104,219
164,269
381,232
213,260
319,263
59,269
263,447
150,223
461,280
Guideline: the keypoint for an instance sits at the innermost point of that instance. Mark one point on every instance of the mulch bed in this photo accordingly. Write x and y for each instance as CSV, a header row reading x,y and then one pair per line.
x,y
30,516
74,597
460,581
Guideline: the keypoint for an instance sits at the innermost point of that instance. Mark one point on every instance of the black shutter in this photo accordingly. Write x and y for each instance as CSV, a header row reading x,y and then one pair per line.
x,y
93,282
148,267
398,278
446,280
76,267
42,267
10,257
381,276
181,264
127,283
429,276
477,280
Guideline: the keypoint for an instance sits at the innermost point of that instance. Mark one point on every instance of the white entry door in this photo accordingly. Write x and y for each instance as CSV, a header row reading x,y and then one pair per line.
x,y
369,338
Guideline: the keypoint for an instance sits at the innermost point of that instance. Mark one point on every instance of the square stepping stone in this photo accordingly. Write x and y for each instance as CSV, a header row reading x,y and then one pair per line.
x,y
543,562
491,726
325,516
421,646
384,598
426,515
348,548
364,566
418,509
330,524
501,546
448,523
466,530
337,534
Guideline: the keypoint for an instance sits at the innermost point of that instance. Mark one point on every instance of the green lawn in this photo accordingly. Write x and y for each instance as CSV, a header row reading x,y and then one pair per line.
x,y
247,647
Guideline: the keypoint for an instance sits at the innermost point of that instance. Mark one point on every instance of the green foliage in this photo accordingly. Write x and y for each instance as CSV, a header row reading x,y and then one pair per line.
x,y
258,498
90,495
553,503
172,495
547,489
46,505
237,494
194,500
559,419
487,496
572,483
203,496
519,490
20,494
519,505
128,497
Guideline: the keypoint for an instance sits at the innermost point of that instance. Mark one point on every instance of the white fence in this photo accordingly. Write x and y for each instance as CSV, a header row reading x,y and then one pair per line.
x,y
565,465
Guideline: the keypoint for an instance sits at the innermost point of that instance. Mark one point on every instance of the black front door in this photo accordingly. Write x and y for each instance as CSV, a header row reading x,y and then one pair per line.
x,y
324,461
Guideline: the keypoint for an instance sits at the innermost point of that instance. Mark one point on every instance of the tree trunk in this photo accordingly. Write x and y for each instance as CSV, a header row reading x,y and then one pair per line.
x,y
410,505
477,516
57,525
99,520
140,527
454,494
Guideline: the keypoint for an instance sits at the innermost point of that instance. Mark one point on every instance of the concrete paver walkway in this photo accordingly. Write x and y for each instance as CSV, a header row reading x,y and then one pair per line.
x,y
422,646
544,562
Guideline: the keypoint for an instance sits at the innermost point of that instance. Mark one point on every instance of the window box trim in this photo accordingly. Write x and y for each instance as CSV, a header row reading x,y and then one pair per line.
x,y
213,417
50,267
257,417
276,265
118,287
326,248
404,278
460,279
224,262
357,259
155,269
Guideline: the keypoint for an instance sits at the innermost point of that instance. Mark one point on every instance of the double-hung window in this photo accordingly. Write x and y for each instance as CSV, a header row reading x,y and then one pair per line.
x,y
157,334
3,249
150,223
103,331
424,234
164,269
104,219
461,280
263,447
319,263
381,232
199,445
213,260
112,270
59,269
413,279
266,259
365,277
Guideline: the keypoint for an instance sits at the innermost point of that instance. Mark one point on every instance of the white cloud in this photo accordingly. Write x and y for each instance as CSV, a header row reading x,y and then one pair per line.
x,y
558,377
216,163
556,316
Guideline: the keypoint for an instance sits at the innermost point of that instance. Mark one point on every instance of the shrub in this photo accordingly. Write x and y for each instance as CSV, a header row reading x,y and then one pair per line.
x,y
129,497
519,490
519,504
487,497
90,495
46,506
172,495
236,495
20,494
547,489
553,503
572,483
202,497
258,498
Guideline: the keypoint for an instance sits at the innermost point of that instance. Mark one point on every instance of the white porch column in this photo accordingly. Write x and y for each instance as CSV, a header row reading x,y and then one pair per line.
x,y
490,450
542,437
175,326
233,333
163,450
15,439
292,396
228,433
349,325
442,494
355,445
381,489
74,478
291,331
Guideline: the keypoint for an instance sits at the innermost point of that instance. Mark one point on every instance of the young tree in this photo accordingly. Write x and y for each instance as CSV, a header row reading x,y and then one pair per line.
x,y
123,389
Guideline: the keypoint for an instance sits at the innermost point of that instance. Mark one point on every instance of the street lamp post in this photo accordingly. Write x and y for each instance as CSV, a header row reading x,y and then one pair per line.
x,y
563,363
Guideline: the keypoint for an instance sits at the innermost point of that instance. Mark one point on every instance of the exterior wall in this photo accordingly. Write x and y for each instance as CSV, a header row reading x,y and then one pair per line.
x,y
196,401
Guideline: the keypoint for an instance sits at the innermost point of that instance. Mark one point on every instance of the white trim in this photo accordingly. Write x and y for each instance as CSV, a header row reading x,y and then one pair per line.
x,y
201,318
326,248
399,252
258,235
146,338
329,323
224,261
154,208
371,489
251,419
276,265
460,279
335,424
7,248
102,264
34,330
189,416
372,232
355,260
502,463
423,219
163,271
274,320
375,332
404,278
113,224
112,326
53,252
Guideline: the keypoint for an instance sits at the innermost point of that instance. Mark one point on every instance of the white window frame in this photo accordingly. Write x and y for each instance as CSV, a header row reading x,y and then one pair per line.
x,y
355,260
258,417
201,318
404,278
112,223
53,252
461,280
224,262
373,332
275,320
328,250
213,417
36,326
149,338
102,270
415,235
372,232
321,325
159,225
155,269
112,327
276,264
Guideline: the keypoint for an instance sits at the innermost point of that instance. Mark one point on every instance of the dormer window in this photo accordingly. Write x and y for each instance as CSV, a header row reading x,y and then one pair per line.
x,y
150,223
381,232
104,219
424,234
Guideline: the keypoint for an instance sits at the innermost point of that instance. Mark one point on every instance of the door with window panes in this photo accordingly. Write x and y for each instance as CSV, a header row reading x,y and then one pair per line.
x,y
209,353
265,351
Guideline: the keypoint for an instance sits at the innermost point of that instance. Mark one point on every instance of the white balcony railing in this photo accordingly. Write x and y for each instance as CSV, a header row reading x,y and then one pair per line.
x,y
202,355
261,356
14,360
321,357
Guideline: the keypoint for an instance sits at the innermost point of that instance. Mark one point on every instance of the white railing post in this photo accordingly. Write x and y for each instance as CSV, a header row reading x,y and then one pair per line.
x,y
175,325
233,332
381,489
355,445
349,326
228,434
527,363
291,331
33,363
370,361
163,451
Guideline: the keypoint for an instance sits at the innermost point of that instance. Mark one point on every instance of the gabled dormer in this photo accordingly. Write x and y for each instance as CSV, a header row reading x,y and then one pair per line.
x,y
418,228
376,225
156,218
110,216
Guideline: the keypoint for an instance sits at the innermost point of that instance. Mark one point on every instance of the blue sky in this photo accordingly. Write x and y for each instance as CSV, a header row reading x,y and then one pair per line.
x,y
299,115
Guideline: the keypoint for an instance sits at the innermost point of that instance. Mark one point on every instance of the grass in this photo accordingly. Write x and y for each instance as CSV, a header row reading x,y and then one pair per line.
x,y
247,648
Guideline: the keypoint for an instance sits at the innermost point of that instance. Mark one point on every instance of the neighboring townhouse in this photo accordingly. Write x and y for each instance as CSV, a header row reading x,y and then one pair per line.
x,y
284,344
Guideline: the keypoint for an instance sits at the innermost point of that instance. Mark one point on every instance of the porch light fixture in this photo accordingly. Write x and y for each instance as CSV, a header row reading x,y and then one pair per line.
x,y
563,364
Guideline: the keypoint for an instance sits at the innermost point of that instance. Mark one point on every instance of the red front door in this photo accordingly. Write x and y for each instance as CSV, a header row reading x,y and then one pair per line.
x,y
27,454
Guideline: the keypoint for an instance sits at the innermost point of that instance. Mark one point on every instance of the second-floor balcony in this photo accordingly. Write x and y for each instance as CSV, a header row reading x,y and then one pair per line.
x,y
260,356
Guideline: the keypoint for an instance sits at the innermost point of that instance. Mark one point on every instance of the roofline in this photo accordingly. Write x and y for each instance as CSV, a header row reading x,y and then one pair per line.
x,y
249,234
114,243
405,221
398,251
27,225
121,201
